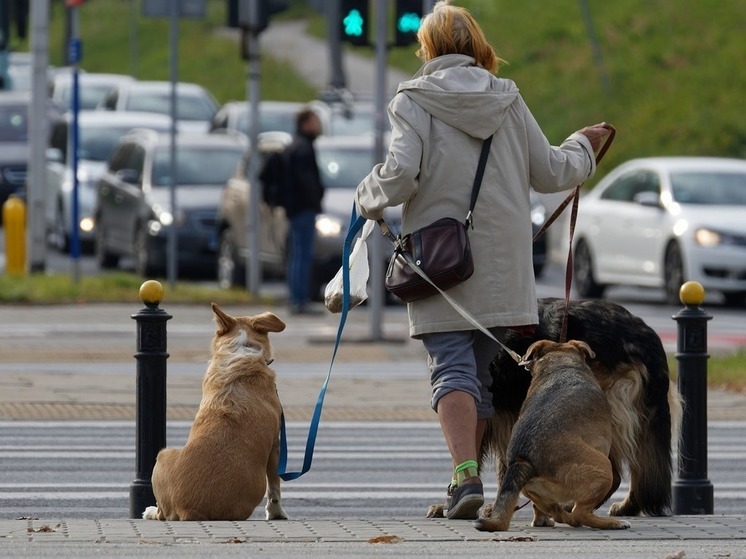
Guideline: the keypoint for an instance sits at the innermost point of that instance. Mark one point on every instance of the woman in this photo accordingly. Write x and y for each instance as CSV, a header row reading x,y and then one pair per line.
x,y
439,120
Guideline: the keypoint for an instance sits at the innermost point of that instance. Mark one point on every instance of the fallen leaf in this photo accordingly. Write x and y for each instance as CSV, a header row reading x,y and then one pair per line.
x,y
677,555
235,540
27,518
515,539
44,528
386,539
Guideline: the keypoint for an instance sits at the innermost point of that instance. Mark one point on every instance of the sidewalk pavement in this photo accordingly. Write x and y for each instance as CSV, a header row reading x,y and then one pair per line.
x,y
76,362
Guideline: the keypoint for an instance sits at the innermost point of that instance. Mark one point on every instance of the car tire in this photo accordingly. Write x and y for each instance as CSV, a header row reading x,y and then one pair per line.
x,y
736,299
105,260
144,265
230,272
673,273
585,282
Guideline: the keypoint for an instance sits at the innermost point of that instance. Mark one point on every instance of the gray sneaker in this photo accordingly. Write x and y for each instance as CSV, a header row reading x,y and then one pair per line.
x,y
464,501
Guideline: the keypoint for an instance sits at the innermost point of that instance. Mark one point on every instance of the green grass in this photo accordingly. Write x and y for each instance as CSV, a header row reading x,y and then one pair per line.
x,y
115,287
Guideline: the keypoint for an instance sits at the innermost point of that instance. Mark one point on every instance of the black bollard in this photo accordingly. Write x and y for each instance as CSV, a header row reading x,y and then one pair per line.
x,y
150,421
692,491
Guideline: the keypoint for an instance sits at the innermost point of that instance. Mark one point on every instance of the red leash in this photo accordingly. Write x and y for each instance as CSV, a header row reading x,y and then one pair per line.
x,y
575,198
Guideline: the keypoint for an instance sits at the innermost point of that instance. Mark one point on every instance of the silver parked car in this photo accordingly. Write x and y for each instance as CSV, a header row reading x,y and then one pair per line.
x,y
195,105
98,134
134,213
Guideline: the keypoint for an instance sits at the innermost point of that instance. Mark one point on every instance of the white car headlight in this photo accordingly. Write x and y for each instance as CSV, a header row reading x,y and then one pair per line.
x,y
328,226
707,237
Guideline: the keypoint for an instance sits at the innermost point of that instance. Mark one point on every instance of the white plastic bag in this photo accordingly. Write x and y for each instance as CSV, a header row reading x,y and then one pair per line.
x,y
334,292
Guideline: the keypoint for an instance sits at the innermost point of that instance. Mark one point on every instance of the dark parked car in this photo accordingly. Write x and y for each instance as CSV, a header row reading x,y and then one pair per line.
x,y
98,134
134,213
14,137
13,143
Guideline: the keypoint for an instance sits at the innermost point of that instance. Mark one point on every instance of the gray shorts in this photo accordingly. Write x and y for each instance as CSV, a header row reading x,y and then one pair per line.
x,y
461,361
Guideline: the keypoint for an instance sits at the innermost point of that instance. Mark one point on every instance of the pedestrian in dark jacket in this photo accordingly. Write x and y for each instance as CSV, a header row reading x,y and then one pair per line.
x,y
302,203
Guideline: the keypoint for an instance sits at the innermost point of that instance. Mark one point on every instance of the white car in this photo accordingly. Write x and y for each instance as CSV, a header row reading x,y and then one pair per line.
x,y
661,221
195,105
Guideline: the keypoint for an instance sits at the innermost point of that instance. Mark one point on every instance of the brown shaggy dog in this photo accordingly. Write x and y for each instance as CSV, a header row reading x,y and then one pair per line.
x,y
632,369
231,456
558,454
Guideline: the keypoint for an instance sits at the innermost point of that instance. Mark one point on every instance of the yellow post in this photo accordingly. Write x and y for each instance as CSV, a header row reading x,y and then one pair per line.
x,y
14,223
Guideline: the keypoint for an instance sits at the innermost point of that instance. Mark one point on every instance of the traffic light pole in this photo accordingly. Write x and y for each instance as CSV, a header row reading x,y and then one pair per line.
x,y
253,87
376,263
337,80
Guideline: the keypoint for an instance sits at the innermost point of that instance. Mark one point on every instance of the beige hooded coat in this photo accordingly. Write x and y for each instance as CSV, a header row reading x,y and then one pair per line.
x,y
439,119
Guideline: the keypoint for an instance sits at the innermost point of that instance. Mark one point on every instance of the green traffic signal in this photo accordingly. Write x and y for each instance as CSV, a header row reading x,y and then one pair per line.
x,y
409,22
353,24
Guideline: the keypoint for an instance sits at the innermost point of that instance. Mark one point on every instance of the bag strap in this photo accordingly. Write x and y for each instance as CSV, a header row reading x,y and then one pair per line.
x,y
478,179
356,224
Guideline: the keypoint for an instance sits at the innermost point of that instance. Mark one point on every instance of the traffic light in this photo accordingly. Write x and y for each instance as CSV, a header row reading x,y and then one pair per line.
x,y
354,21
407,22
239,13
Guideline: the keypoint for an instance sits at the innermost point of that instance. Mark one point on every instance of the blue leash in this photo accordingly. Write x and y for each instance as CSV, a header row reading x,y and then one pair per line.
x,y
356,224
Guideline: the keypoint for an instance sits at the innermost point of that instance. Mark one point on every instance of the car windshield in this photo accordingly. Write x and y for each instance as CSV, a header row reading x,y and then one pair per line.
x,y
89,95
13,123
709,188
344,168
97,143
269,121
196,165
188,107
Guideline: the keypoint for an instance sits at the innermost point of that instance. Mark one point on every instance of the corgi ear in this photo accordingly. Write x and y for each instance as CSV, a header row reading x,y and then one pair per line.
x,y
537,349
224,321
583,348
267,322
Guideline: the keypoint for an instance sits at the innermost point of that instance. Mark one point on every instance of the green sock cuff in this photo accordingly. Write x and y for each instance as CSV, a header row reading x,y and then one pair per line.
x,y
470,468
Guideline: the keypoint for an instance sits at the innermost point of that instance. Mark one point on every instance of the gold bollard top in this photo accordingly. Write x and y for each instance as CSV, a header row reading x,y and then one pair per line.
x,y
151,292
692,294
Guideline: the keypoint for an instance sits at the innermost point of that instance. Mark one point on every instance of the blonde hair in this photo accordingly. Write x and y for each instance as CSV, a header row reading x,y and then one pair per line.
x,y
453,30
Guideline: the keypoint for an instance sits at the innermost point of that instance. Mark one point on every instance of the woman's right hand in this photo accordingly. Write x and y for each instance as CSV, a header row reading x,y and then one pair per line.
x,y
596,134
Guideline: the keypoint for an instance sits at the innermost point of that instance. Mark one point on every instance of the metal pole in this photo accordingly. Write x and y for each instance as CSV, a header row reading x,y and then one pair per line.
x,y
253,262
692,491
173,247
74,54
376,241
36,182
337,80
150,402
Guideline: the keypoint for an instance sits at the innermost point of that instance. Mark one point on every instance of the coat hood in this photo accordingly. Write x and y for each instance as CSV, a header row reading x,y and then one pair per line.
x,y
452,88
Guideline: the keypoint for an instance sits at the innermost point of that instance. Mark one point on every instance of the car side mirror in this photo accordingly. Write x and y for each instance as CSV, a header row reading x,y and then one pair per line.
x,y
650,199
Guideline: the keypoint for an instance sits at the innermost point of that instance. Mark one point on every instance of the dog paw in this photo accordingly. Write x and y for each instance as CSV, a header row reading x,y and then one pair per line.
x,y
624,508
623,525
274,511
435,511
150,513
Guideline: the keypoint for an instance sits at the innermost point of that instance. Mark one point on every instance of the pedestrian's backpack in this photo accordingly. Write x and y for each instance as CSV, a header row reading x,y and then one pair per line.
x,y
274,179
